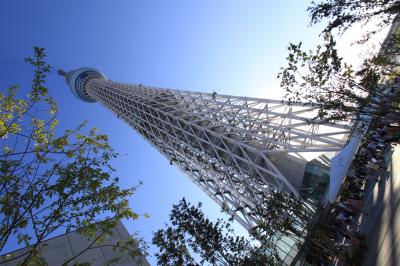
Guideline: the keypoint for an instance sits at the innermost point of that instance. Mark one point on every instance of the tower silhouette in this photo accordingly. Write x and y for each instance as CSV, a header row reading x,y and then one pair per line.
x,y
234,148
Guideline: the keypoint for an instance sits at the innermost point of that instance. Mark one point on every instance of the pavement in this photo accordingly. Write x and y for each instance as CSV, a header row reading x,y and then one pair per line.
x,y
382,224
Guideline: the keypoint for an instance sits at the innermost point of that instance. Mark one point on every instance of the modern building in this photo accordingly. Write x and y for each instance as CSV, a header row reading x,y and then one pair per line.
x,y
58,250
234,148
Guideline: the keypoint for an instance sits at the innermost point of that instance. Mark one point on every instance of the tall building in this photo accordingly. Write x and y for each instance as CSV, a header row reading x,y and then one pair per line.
x,y
233,148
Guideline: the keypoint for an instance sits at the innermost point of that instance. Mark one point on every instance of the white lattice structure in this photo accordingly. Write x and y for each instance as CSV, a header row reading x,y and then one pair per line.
x,y
234,148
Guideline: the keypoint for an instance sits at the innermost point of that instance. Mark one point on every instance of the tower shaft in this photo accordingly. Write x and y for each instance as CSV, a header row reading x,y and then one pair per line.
x,y
233,148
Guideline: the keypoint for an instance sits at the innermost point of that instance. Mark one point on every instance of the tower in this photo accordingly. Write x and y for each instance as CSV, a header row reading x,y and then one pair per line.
x,y
233,148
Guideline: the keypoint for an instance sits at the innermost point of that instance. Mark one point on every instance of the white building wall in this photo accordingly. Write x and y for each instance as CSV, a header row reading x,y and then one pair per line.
x,y
59,249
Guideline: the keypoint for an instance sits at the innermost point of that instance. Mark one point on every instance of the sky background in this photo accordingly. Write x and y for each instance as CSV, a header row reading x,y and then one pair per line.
x,y
231,47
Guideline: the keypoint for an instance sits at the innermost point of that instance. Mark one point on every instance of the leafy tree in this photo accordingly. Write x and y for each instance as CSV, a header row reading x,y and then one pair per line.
x,y
280,213
52,183
342,14
212,243
321,78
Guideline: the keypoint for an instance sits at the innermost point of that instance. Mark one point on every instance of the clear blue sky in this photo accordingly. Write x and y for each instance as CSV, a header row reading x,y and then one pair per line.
x,y
232,47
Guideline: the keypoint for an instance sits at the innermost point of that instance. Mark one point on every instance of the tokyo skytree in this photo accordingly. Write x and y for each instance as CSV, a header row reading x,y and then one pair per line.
x,y
234,148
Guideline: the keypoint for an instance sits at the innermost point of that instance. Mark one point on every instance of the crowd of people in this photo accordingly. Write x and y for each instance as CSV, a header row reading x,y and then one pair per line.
x,y
336,239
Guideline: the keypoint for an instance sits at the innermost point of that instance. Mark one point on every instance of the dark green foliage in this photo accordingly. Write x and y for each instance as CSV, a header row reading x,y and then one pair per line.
x,y
281,213
342,14
321,78
212,243
191,232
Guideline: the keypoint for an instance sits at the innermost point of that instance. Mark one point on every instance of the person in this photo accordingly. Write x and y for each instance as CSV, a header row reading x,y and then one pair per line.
x,y
372,146
354,205
341,218
396,82
344,209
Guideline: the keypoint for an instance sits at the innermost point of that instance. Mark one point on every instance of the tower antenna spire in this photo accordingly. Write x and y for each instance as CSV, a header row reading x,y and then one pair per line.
x,y
61,72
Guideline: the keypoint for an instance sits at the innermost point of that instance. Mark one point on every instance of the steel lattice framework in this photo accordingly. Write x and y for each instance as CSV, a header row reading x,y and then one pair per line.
x,y
234,148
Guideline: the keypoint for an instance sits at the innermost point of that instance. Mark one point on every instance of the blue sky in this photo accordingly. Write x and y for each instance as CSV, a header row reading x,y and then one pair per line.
x,y
232,47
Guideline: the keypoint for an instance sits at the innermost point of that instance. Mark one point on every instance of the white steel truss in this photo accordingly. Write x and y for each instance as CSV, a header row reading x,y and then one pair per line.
x,y
234,148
